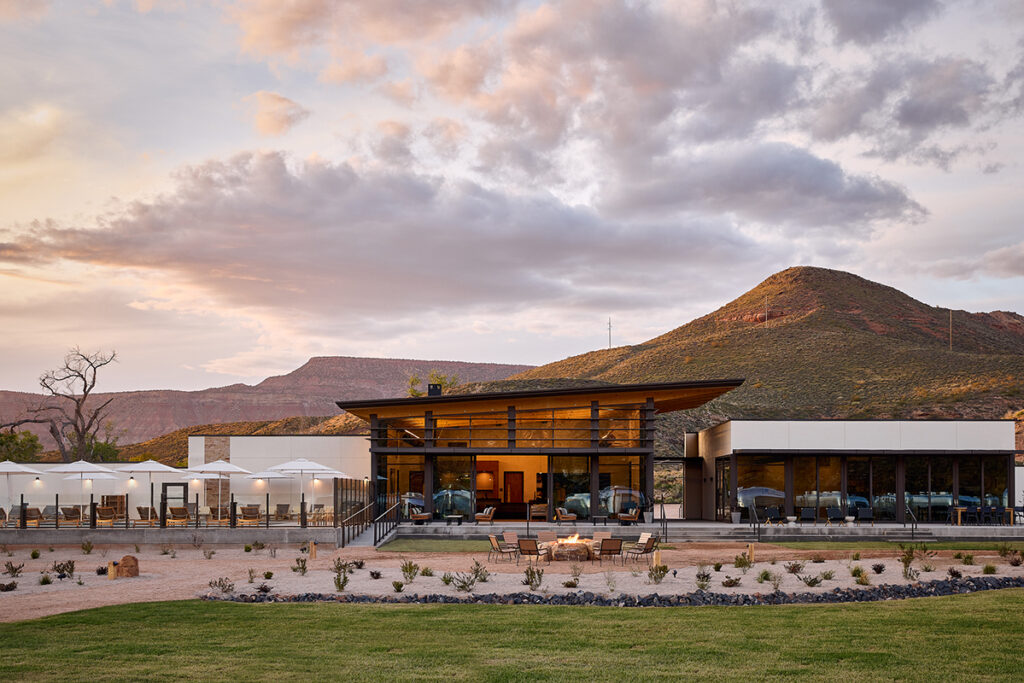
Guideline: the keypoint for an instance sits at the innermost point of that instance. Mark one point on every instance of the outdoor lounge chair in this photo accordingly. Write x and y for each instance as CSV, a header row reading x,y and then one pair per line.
x,y
809,515
147,516
772,516
177,516
105,516
547,536
283,511
609,547
71,515
250,516
834,515
418,516
499,549
645,550
528,548
563,515
866,515
627,518
33,517
219,516
486,516
49,513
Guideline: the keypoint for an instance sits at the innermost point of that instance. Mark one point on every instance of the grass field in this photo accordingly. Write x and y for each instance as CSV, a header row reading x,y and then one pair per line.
x,y
975,637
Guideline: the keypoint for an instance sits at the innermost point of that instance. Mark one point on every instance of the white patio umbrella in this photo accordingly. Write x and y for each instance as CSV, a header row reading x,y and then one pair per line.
x,y
270,475
81,468
8,468
148,467
302,466
221,467
201,475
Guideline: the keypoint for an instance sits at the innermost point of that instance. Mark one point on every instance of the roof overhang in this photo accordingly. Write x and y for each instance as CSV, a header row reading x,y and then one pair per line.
x,y
667,397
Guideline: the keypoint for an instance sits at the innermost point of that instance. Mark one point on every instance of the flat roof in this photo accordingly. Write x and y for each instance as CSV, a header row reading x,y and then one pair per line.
x,y
667,396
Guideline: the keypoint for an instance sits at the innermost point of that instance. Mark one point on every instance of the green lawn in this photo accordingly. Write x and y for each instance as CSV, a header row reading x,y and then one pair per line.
x,y
973,637
889,545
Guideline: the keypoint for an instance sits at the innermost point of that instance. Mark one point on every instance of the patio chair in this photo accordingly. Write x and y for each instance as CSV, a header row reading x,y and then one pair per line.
x,y
49,513
283,511
772,516
601,535
510,537
418,516
33,517
971,515
645,550
563,515
609,547
499,549
177,516
105,516
539,511
486,516
867,515
71,515
1018,514
834,515
809,515
250,516
547,536
147,516
219,516
627,518
528,548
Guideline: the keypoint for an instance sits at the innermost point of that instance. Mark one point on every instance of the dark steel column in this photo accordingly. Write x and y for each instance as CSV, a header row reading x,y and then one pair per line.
x,y
551,490
595,482
512,427
788,477
428,484
901,496
595,425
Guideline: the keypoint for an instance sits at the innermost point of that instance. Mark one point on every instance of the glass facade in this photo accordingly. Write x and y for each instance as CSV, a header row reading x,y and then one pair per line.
x,y
970,481
858,484
571,479
620,484
995,478
883,486
760,482
453,486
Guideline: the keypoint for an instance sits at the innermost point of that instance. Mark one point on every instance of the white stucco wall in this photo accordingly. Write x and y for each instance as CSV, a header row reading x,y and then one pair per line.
x,y
870,435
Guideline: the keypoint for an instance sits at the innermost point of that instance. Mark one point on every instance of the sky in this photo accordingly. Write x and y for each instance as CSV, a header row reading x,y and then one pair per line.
x,y
220,190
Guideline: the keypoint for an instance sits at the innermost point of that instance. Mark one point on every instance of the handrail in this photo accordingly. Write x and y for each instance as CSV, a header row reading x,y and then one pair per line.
x,y
755,521
385,523
359,527
913,524
664,520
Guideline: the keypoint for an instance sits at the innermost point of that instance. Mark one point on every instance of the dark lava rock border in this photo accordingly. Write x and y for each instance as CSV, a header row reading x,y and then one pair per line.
x,y
923,589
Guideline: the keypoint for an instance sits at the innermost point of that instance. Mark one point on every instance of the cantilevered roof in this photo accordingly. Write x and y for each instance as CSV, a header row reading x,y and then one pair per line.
x,y
667,396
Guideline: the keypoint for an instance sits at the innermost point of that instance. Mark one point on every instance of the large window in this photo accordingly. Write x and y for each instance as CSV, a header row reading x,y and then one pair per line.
x,y
883,487
571,474
830,482
620,484
723,491
941,488
995,480
858,483
453,491
760,481
404,476
915,485
805,482
970,480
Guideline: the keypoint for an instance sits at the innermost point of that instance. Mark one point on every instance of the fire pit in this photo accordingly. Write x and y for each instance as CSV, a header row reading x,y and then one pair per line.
x,y
571,549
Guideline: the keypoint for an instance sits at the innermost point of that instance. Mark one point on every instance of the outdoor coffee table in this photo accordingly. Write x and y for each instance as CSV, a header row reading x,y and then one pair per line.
x,y
448,519
603,518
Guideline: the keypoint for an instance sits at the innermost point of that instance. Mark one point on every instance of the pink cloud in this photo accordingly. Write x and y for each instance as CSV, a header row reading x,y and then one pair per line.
x,y
274,114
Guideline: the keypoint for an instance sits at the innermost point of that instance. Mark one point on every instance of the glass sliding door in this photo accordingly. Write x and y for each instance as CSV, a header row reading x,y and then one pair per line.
x,y
453,486
571,475
941,488
916,485
996,480
830,482
858,483
620,484
805,483
723,490
970,481
404,475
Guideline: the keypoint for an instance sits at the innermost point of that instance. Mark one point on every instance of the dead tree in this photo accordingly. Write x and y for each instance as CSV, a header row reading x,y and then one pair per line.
x,y
72,422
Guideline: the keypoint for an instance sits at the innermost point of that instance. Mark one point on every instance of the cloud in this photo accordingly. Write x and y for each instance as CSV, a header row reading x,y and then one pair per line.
x,y
772,183
15,10
28,133
352,66
867,21
274,114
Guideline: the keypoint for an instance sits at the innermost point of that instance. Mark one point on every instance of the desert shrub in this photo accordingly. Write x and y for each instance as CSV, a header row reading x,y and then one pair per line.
x,y
447,578
223,584
464,583
828,575
426,571
1004,549
817,558
252,575
358,564
137,548
86,546
926,567
656,573
258,545
374,574
878,567
718,566
341,576
247,548
167,550
101,570
988,569
64,570
34,554
954,573
576,570
300,566
742,562
776,581
794,567
609,580
398,586
208,554
855,557
409,570
857,571
8,587
958,555
765,575
1015,560
13,570
338,565
730,582
772,561
533,577
479,572
968,558
45,580
863,580
811,581
268,575
264,588
571,583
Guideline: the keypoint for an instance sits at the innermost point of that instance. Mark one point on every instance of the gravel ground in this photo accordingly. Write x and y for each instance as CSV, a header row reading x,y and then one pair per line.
x,y
188,573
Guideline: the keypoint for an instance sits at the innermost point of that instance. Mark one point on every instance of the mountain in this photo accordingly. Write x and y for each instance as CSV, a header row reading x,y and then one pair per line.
x,y
819,343
310,390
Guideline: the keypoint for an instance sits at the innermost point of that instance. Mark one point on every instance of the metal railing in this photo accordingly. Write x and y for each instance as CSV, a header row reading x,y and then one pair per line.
x,y
913,522
386,523
754,520
355,524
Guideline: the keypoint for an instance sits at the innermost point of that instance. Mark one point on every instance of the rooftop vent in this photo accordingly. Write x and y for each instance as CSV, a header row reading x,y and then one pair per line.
x,y
433,390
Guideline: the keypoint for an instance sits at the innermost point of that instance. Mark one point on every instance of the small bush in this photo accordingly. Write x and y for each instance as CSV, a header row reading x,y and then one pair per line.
x,y
464,583
252,575
208,554
13,570
958,555
863,580
657,573
1015,560
878,568
264,588
817,558
988,569
480,572
742,562
925,567
374,574
341,577
730,582
409,570
765,575
855,557
571,583
86,547
811,581
954,573
45,580
223,584
247,548
794,567
167,550
575,570
857,571
1004,549
34,554
8,587
300,566
776,581
828,575
101,570
968,558
398,586
258,545
268,575
533,577
64,570
718,566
